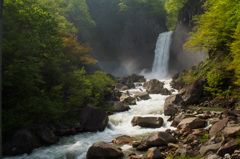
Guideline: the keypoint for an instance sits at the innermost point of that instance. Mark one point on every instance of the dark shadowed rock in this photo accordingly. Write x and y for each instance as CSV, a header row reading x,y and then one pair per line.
x,y
148,122
159,139
154,86
127,81
121,87
216,128
172,104
179,118
23,141
229,147
192,123
119,106
124,139
165,91
154,153
103,150
46,135
127,99
138,78
142,95
93,119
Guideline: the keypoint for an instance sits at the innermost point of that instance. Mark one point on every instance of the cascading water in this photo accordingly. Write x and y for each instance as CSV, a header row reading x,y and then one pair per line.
x,y
160,64
119,124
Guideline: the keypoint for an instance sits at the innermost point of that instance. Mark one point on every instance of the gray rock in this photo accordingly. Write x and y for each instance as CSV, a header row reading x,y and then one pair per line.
x,y
142,95
154,86
231,131
148,122
128,100
217,127
159,139
192,123
205,149
119,106
179,118
172,104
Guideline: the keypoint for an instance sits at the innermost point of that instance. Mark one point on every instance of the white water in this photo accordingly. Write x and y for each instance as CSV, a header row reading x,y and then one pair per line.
x,y
160,64
119,124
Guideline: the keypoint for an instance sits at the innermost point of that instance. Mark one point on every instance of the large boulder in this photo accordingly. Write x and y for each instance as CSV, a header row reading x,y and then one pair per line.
x,y
165,91
127,81
138,78
23,141
213,148
154,86
179,118
192,123
229,147
93,119
231,130
46,135
103,150
124,139
154,153
121,87
217,127
173,104
142,95
119,106
148,122
159,139
127,99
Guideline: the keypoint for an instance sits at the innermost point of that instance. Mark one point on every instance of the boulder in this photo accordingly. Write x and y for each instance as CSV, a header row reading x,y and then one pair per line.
x,y
154,153
231,131
93,119
165,91
217,127
159,139
213,147
119,106
121,87
213,156
103,150
124,139
192,123
154,86
173,104
46,136
23,141
138,78
127,81
142,95
148,122
179,118
127,99
229,147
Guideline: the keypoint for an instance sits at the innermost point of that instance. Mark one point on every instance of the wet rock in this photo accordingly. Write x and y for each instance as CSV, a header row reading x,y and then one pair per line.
x,y
93,119
124,139
102,149
127,99
216,128
119,106
154,153
46,135
121,87
159,139
205,149
142,95
172,104
179,118
135,144
192,123
229,147
138,78
154,86
165,91
148,122
23,141
142,147
127,81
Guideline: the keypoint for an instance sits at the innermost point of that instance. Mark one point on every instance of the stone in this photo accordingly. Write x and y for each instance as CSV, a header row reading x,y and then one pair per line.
x,y
93,119
135,144
154,153
46,136
142,147
142,95
213,156
121,87
179,118
165,91
23,141
127,99
119,106
148,122
127,81
159,139
134,157
124,139
172,104
154,86
138,78
217,127
229,147
102,149
231,131
213,147
192,123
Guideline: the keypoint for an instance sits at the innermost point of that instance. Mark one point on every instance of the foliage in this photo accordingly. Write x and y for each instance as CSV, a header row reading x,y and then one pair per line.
x,y
173,7
204,138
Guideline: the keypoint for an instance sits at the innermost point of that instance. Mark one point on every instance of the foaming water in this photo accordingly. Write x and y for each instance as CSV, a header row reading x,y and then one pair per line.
x,y
119,124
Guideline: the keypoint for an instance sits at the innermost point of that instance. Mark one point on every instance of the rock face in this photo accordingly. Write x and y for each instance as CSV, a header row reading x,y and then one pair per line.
x,y
23,141
103,150
93,119
192,123
179,56
172,104
159,139
142,95
148,122
154,86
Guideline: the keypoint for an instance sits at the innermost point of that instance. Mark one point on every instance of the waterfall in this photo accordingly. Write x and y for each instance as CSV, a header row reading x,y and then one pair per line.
x,y
160,64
